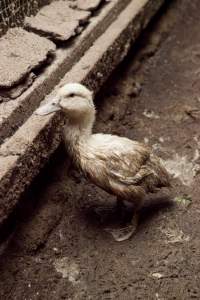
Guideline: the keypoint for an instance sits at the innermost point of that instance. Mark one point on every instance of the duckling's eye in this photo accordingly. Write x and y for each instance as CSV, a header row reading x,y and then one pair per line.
x,y
72,95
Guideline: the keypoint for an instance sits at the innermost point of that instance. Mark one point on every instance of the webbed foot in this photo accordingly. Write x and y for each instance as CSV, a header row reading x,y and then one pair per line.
x,y
124,232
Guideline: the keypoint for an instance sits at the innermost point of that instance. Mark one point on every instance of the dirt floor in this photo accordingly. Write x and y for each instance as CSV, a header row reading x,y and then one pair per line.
x,y
57,248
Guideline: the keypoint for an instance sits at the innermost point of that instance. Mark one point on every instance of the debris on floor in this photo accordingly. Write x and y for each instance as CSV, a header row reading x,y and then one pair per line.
x,y
175,236
183,168
184,200
67,268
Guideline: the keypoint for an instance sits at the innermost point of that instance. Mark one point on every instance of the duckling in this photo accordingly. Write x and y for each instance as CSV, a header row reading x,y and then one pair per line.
x,y
120,166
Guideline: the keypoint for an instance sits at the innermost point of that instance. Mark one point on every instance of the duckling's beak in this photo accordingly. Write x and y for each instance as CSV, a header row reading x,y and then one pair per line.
x,y
50,106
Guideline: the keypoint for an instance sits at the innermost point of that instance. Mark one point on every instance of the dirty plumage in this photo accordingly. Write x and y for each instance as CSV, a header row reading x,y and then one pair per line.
x,y
120,166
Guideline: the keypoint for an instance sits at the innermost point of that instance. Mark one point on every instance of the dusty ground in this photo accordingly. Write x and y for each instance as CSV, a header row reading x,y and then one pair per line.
x,y
57,248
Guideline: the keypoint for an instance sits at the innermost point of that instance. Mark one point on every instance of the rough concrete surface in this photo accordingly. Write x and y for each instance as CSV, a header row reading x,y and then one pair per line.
x,y
39,136
57,21
150,99
21,52
14,113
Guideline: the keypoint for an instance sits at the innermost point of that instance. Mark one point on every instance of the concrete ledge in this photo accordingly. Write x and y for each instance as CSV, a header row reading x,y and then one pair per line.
x,y
14,113
23,155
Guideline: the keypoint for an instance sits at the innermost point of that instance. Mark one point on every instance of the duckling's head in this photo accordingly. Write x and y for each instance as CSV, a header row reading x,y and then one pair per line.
x,y
72,90
74,99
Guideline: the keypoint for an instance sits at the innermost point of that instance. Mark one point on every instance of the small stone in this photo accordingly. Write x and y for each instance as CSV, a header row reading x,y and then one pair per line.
x,y
161,139
55,249
99,75
150,114
157,275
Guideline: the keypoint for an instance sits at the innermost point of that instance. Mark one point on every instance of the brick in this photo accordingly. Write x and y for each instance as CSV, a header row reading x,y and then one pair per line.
x,y
20,52
57,21
88,4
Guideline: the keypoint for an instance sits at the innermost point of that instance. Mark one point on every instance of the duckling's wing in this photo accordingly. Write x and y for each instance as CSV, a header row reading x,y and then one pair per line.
x,y
122,158
123,167
136,170
135,177
125,171
129,167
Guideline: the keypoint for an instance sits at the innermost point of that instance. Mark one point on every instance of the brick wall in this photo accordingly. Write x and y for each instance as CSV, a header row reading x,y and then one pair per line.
x,y
12,12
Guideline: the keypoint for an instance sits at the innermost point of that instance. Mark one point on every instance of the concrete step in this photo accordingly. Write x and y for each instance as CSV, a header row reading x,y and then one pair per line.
x,y
25,152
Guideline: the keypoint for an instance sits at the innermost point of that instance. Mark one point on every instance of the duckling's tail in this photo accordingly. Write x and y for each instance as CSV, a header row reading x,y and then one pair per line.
x,y
158,176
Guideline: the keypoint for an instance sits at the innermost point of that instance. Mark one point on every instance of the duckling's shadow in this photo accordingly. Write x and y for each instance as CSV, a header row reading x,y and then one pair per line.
x,y
153,205
108,215
102,215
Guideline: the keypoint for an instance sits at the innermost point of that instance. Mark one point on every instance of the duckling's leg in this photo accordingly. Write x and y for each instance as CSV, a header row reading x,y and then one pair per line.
x,y
128,215
124,210
118,211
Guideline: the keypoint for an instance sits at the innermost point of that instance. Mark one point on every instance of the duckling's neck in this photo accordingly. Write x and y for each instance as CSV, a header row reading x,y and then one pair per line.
x,y
77,132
